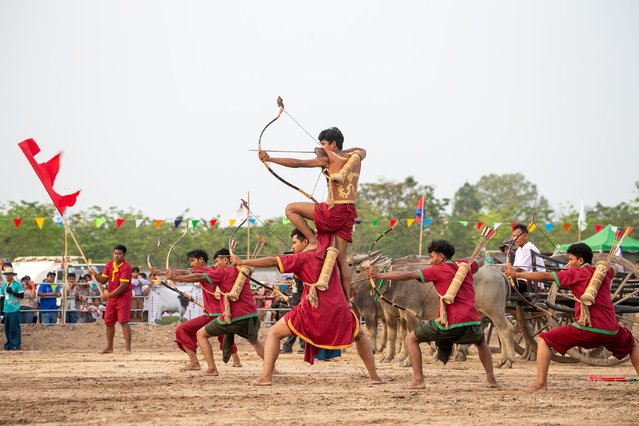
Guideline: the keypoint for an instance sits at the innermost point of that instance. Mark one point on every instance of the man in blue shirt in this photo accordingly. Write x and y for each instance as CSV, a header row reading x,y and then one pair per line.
x,y
12,292
48,302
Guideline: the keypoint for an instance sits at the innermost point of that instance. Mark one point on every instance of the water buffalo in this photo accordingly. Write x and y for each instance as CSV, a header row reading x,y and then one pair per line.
x,y
491,294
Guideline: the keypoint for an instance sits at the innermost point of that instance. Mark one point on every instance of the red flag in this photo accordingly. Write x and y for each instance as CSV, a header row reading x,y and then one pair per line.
x,y
479,225
118,223
419,210
598,227
47,173
213,222
566,227
17,221
392,222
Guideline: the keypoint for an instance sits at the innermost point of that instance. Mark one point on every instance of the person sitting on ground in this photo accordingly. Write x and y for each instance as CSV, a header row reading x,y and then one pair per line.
x,y
463,321
604,329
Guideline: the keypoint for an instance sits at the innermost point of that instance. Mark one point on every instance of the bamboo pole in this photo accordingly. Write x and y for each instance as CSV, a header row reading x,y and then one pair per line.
x,y
248,225
65,268
421,223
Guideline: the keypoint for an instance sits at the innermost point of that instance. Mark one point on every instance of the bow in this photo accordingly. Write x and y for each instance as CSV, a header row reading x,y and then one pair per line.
x,y
280,104
172,286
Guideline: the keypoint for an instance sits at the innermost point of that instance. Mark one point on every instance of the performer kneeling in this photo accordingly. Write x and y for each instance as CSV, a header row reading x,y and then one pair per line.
x,y
458,322
600,329
238,316
328,325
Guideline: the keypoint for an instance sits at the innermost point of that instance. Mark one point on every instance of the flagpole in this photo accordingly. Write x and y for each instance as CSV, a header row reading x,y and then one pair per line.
x,y
421,224
65,267
248,226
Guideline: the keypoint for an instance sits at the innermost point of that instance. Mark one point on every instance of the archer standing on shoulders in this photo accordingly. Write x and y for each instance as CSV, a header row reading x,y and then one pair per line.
x,y
336,215
118,297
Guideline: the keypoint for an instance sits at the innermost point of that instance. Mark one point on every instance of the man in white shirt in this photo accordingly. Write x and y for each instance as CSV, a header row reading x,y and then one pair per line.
x,y
524,258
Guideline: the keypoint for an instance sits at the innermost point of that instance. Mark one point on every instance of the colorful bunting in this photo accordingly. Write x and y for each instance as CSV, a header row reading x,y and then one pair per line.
x,y
598,227
479,225
252,221
392,222
99,221
138,222
374,223
158,223
39,221
285,221
549,227
194,223
512,225
212,223
118,223
532,227
566,227
231,222
17,222
409,222
427,221
357,222
464,222
177,222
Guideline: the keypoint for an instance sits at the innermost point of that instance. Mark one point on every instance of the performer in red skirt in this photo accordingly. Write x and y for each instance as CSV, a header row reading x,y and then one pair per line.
x,y
603,330
186,334
330,325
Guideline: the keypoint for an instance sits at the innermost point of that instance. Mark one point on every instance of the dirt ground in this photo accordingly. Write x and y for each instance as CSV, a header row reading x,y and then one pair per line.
x,y
59,378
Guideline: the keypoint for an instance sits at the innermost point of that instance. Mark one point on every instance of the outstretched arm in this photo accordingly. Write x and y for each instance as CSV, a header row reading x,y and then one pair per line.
x,y
263,262
176,275
395,275
532,276
295,162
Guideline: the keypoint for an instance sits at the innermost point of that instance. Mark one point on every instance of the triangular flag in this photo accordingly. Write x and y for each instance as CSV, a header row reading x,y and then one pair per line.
x,y
497,225
99,221
566,227
409,222
212,223
549,227
177,222
392,223
252,220
138,222
427,221
158,223
231,222
464,222
374,222
39,221
17,221
119,222
194,223
285,221
598,227
512,225
532,227
419,210
479,225
358,222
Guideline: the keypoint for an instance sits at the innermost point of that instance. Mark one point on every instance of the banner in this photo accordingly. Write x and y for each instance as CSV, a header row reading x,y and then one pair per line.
x,y
166,306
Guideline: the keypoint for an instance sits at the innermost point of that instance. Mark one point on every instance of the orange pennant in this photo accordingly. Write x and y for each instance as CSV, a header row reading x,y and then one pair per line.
x,y
158,223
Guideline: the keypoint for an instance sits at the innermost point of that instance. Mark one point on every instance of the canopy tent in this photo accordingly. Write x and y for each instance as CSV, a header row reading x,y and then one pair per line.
x,y
602,242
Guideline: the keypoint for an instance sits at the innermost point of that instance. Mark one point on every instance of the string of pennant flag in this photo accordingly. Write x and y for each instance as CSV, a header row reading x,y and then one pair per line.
x,y
212,223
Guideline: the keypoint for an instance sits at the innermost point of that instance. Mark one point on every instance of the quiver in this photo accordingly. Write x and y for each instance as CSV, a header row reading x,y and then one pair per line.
x,y
588,298
348,167
325,275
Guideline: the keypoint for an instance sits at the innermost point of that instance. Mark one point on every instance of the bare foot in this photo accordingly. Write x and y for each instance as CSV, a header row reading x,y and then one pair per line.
x,y
536,387
417,385
238,365
127,352
191,367
493,384
376,381
106,351
260,381
209,372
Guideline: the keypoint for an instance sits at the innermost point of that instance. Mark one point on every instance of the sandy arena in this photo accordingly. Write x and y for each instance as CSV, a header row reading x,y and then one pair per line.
x,y
58,377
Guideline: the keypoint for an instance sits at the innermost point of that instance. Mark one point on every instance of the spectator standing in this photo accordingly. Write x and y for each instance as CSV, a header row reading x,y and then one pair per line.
x,y
26,303
72,295
48,302
139,283
12,292
82,301
524,256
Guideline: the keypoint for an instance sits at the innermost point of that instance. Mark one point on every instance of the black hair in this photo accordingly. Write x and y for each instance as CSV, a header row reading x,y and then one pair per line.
x,y
582,250
522,228
135,269
297,233
197,253
143,275
443,247
71,274
223,252
120,247
332,134
51,273
26,277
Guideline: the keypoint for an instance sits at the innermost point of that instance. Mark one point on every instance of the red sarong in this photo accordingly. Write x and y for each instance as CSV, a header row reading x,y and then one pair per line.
x,y
186,334
567,336
332,325
338,219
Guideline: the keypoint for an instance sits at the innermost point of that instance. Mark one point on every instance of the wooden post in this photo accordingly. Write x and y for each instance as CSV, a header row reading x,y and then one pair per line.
x,y
248,226
65,267
421,222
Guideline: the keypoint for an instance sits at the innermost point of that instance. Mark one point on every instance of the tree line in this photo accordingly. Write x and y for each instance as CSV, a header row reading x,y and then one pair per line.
x,y
505,198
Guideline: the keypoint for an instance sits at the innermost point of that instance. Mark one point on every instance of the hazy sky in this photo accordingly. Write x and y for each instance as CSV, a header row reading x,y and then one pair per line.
x,y
156,103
